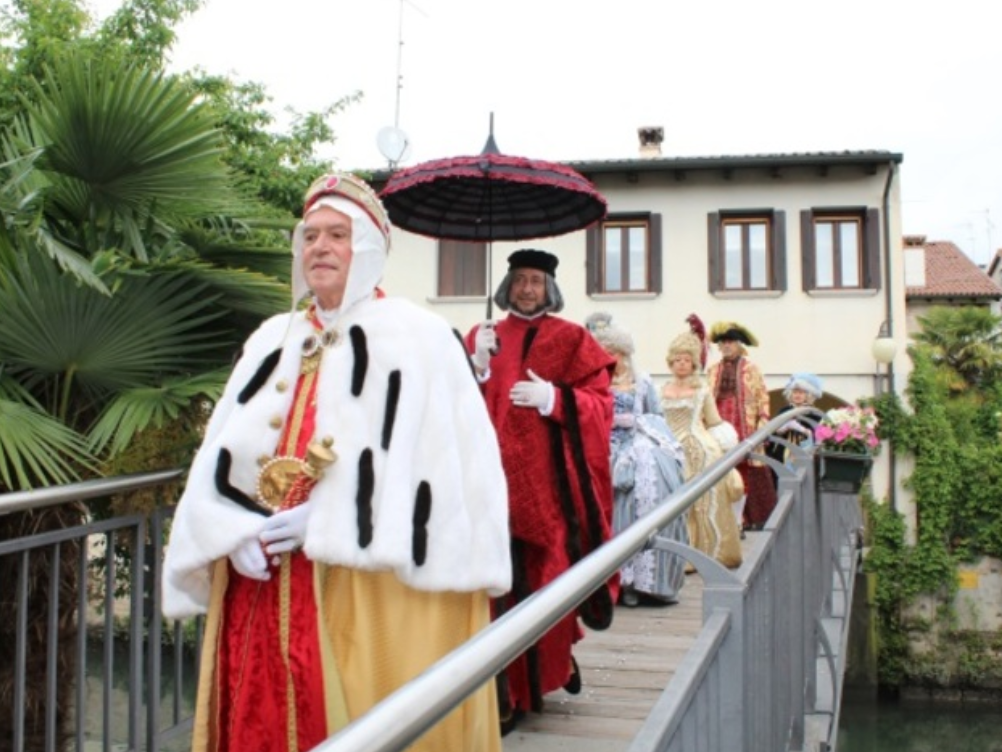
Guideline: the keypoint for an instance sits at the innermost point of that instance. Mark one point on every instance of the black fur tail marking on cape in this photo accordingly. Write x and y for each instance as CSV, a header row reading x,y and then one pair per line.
x,y
360,349
422,513
392,401
260,376
363,500
223,465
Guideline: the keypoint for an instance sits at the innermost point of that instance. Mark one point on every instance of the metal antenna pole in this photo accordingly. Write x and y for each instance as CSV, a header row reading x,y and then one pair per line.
x,y
400,56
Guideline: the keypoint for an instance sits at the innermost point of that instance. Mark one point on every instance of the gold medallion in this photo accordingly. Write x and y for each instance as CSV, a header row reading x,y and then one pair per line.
x,y
276,478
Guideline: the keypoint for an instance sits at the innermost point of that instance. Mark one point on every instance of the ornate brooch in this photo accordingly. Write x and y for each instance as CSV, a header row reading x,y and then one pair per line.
x,y
314,345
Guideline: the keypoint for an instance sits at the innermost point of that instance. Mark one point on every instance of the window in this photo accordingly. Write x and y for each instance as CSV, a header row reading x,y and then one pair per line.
x,y
747,250
624,254
462,269
841,248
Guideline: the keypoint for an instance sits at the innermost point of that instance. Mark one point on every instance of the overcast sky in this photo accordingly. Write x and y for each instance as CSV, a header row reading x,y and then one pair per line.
x,y
573,79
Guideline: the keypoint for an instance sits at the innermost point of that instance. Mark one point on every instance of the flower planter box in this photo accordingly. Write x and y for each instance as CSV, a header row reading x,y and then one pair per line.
x,y
840,472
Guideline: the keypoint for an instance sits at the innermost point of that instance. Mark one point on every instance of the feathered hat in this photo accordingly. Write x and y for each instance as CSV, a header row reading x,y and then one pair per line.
x,y
731,330
692,342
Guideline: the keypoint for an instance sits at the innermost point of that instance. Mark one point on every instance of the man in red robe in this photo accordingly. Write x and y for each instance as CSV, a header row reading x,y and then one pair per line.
x,y
743,400
546,384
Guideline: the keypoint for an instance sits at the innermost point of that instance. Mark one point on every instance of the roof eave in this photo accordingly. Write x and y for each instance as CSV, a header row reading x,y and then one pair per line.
x,y
870,160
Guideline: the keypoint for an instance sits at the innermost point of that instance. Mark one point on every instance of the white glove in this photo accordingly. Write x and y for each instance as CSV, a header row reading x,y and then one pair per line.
x,y
794,426
286,530
485,343
624,420
537,393
248,559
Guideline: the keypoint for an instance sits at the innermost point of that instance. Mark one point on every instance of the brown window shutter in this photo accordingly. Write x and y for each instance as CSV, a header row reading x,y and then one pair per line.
x,y
462,268
714,262
778,259
655,284
807,249
446,268
871,250
476,270
593,241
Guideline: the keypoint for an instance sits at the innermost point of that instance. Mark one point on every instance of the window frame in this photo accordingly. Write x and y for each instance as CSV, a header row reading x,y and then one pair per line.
x,y
595,266
868,219
461,264
775,255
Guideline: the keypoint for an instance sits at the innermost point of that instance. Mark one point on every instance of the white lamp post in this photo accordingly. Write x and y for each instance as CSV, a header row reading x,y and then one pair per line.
x,y
884,349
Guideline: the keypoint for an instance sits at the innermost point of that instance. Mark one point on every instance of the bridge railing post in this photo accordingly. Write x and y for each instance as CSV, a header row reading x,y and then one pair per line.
x,y
731,597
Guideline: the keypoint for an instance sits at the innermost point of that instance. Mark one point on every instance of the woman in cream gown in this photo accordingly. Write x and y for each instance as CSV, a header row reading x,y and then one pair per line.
x,y
692,415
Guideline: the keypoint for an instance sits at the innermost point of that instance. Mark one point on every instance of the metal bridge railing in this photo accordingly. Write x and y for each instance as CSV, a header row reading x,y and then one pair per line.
x,y
70,596
763,675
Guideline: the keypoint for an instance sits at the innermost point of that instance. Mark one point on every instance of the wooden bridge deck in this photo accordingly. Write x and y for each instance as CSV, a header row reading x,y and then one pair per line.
x,y
624,670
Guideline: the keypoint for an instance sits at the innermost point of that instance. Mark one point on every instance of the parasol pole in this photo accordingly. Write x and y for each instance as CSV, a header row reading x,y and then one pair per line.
x,y
490,147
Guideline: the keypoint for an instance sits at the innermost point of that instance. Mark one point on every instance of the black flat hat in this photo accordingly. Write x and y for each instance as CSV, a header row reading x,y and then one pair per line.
x,y
530,258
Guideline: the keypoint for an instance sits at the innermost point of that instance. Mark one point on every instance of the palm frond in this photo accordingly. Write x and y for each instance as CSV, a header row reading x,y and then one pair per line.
x,y
69,261
242,290
135,410
123,143
258,251
38,450
16,193
154,326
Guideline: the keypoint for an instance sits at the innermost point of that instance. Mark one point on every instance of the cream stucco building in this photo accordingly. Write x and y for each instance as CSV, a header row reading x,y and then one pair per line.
x,y
803,249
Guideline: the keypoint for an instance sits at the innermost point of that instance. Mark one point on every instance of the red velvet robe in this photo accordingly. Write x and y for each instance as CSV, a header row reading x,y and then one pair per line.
x,y
567,450
747,410
263,702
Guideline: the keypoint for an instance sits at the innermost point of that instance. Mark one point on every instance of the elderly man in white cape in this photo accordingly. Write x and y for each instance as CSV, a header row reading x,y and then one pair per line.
x,y
327,588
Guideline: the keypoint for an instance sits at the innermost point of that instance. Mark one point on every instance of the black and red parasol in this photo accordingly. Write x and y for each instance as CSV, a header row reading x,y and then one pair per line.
x,y
491,196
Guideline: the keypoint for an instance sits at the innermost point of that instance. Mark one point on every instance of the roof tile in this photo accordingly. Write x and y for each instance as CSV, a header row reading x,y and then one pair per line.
x,y
949,273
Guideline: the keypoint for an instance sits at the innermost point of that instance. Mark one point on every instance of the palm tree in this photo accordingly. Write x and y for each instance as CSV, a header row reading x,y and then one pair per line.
x,y
966,342
130,269
122,301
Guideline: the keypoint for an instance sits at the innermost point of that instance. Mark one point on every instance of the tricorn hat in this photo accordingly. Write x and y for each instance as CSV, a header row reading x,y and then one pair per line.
x,y
733,331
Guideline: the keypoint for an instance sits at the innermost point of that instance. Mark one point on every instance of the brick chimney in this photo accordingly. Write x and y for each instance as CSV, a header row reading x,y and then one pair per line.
x,y
650,141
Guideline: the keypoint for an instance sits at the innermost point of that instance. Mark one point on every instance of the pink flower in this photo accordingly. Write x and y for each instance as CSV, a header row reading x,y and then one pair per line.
x,y
849,429
823,433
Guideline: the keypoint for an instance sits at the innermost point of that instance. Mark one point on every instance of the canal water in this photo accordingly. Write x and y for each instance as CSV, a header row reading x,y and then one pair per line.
x,y
871,725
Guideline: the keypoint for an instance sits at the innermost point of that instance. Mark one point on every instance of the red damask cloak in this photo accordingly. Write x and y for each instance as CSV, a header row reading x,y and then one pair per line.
x,y
559,484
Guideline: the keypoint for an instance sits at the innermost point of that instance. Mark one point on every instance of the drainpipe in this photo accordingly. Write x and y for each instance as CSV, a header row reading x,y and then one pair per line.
x,y
892,493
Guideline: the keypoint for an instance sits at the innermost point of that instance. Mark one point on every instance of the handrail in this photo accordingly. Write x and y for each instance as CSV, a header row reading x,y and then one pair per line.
x,y
411,710
20,501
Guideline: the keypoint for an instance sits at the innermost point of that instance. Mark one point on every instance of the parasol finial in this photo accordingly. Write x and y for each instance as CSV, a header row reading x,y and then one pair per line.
x,y
491,146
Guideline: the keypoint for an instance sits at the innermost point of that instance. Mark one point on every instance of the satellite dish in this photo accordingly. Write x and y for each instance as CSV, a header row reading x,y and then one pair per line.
x,y
393,144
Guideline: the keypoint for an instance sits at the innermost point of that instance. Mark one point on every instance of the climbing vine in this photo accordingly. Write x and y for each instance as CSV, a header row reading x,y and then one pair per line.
x,y
953,430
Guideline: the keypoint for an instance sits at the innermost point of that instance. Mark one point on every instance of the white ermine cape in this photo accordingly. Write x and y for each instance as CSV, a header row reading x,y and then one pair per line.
x,y
397,395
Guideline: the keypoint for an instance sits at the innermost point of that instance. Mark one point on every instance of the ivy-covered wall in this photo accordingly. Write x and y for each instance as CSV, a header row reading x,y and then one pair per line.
x,y
953,429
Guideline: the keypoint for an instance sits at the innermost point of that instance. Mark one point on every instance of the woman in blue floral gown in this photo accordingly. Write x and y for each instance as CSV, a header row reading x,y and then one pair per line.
x,y
646,470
